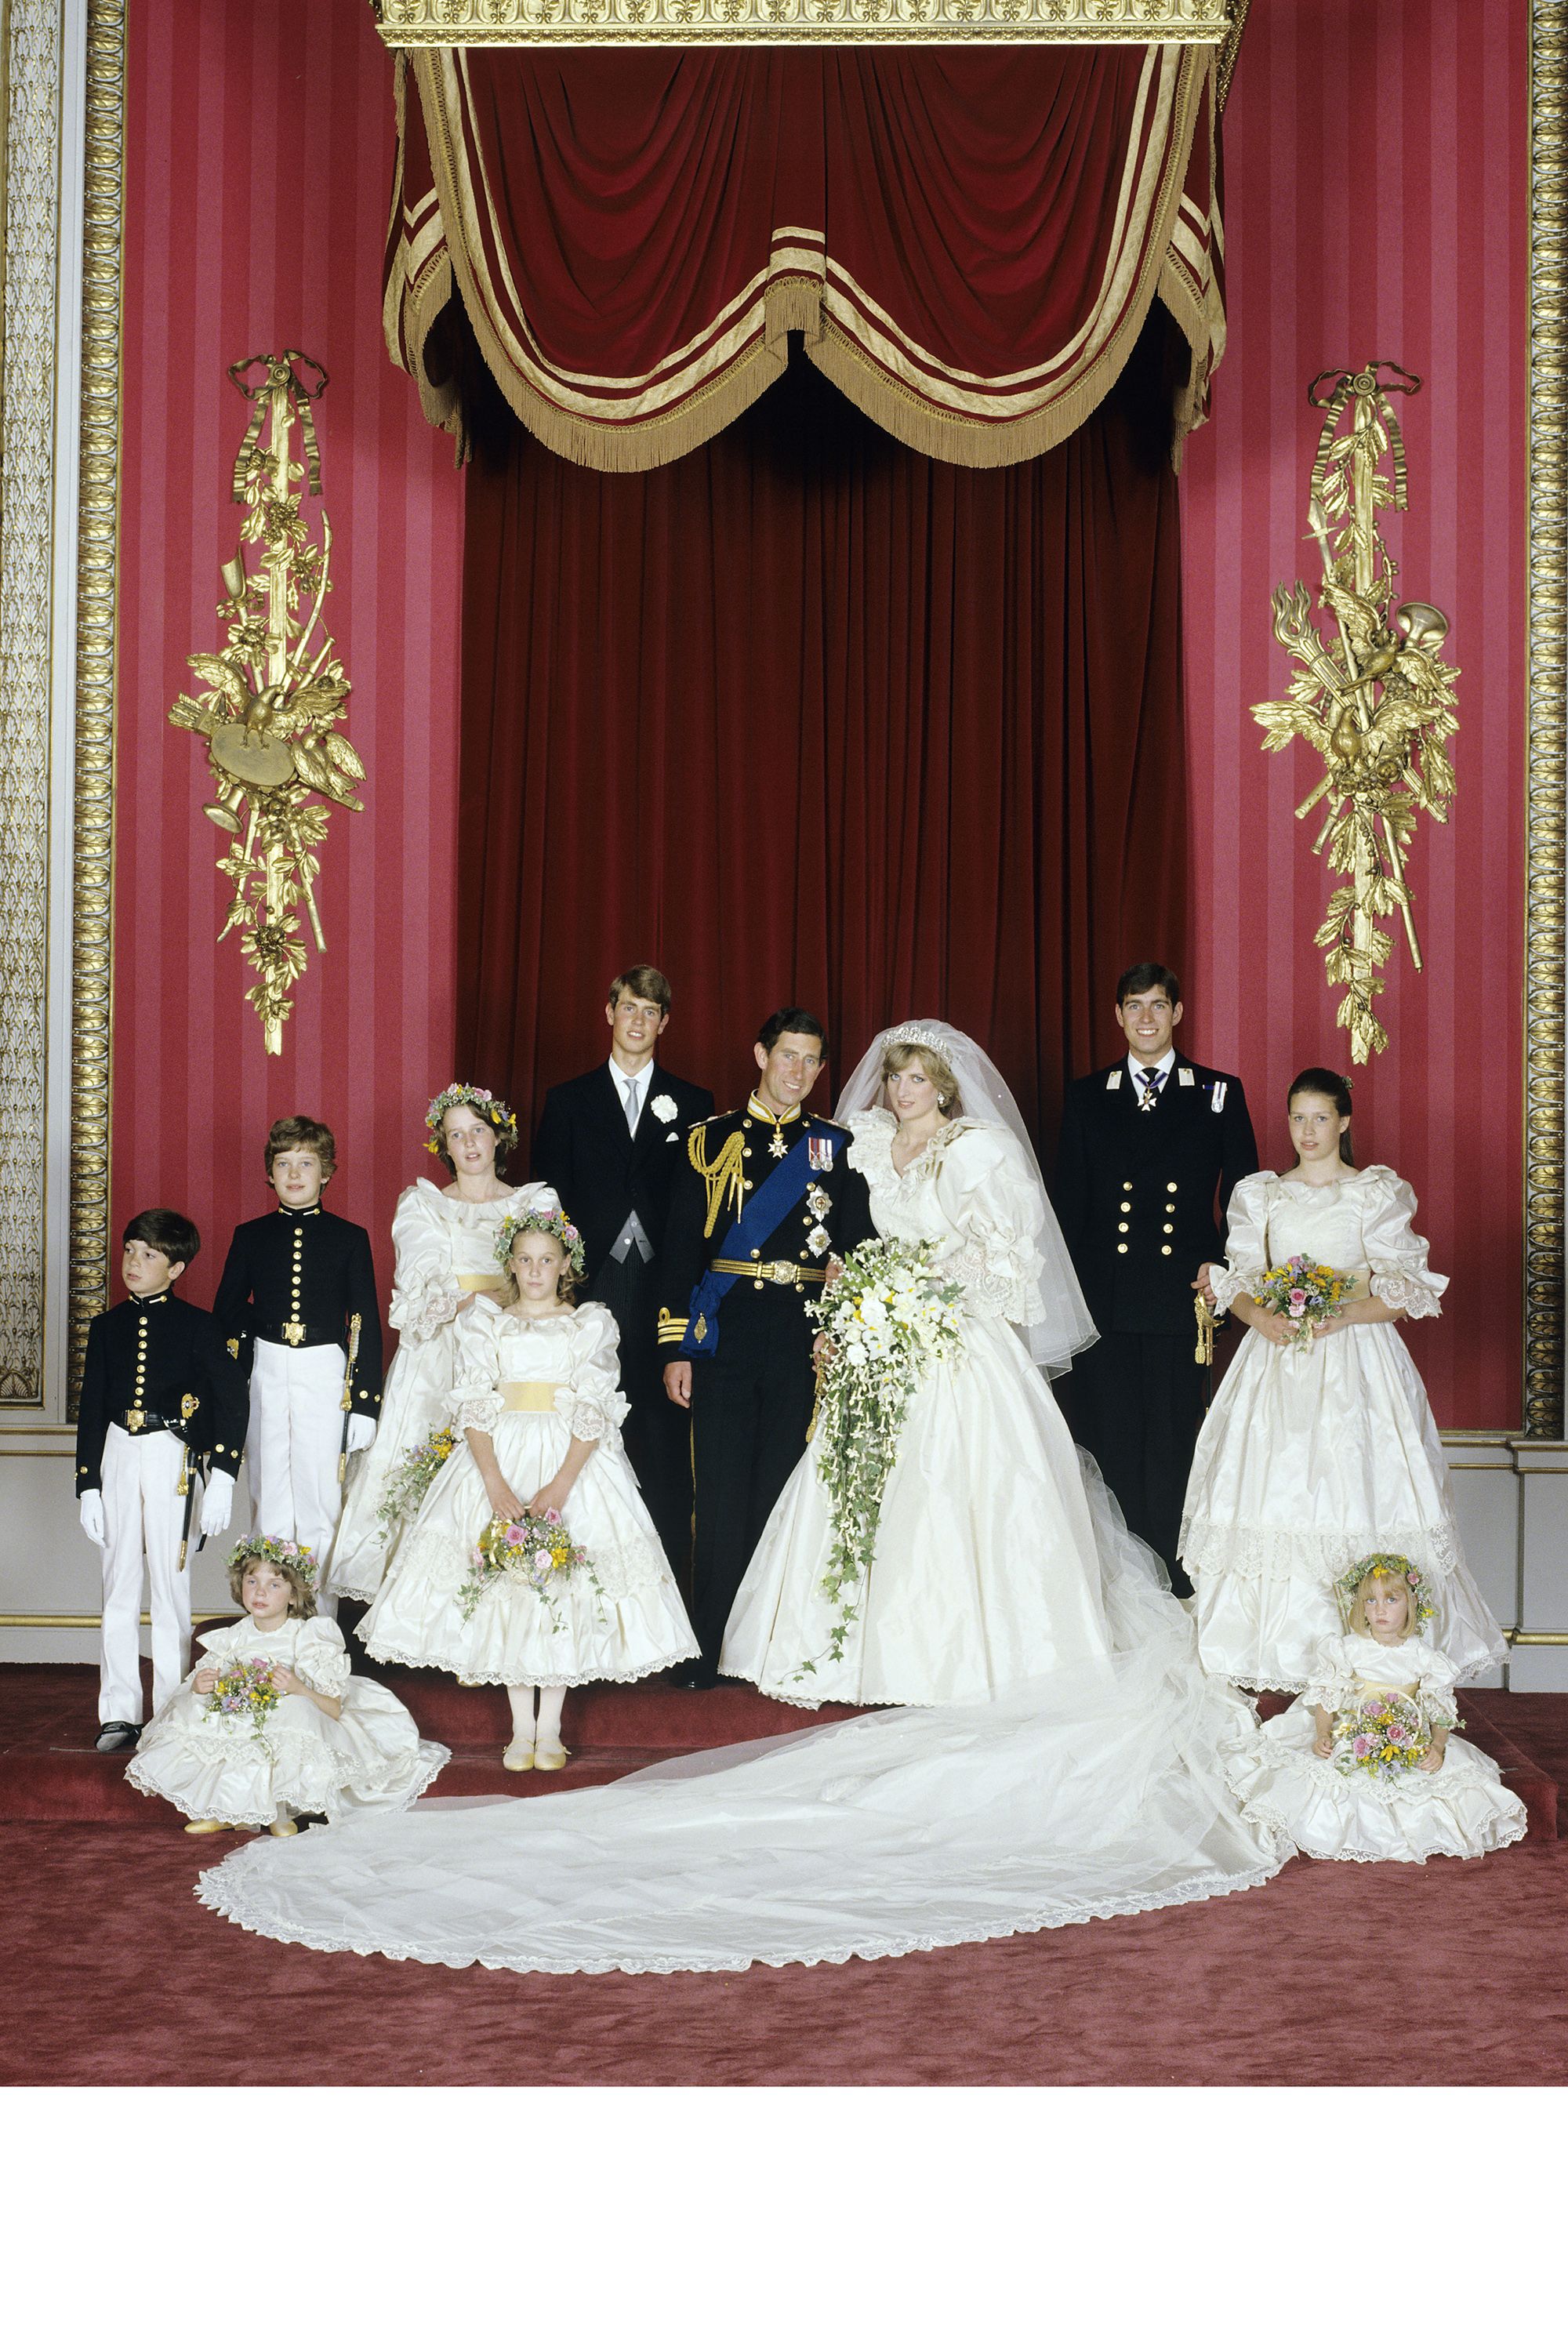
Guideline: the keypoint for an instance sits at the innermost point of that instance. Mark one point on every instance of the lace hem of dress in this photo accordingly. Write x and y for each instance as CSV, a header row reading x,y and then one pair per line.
x,y
310,1784
470,1675
223,1890
1406,1292
1507,1831
1223,1548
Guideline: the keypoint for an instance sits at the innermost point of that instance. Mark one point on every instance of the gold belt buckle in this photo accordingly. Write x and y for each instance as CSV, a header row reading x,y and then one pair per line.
x,y
294,1334
780,1270
134,1419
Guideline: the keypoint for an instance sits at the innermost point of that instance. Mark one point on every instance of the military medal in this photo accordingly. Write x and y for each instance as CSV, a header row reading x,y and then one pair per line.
x,y
819,1153
778,1148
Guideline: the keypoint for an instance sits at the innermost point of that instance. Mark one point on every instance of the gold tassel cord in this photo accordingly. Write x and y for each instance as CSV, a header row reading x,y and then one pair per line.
x,y
1375,701
723,1173
273,702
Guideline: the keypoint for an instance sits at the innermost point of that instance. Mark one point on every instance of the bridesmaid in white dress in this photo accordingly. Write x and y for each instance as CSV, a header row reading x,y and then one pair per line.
x,y
981,1575
1314,1456
443,1238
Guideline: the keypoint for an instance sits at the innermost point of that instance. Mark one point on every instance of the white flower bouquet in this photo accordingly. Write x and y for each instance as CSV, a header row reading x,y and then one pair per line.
x,y
888,1319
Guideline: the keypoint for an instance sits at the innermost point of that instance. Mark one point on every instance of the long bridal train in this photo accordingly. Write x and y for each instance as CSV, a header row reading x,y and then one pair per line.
x,y
1087,1793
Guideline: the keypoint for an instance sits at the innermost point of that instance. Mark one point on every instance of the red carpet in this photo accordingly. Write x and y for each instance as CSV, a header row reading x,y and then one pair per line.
x,y
116,1974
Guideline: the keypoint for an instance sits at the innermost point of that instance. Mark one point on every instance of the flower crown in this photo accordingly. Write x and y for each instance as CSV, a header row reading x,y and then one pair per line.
x,y
281,1552
1399,1570
478,1098
542,1221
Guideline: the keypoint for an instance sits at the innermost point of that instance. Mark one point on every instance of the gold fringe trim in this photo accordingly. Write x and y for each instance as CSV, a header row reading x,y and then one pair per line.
x,y
794,302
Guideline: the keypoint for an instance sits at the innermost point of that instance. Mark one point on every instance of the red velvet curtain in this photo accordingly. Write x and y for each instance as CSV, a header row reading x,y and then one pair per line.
x,y
805,716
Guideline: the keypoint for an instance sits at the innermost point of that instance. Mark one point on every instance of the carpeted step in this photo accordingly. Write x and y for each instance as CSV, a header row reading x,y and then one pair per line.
x,y
49,1771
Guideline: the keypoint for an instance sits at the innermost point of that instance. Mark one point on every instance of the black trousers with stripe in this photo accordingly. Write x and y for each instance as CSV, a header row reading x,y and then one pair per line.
x,y
1135,1400
749,1421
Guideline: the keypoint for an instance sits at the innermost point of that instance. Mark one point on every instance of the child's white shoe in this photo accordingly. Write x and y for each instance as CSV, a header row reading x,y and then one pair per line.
x,y
205,1829
520,1755
549,1759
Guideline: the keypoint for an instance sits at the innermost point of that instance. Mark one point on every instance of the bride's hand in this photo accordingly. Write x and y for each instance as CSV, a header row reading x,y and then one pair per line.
x,y
834,1268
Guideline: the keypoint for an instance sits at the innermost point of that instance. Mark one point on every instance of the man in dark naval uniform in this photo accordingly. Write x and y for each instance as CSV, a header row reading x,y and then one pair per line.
x,y
765,1204
1151,1149
610,1143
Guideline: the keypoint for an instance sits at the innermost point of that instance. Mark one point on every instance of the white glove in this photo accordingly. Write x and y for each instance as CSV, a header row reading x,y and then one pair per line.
x,y
217,1502
361,1432
91,1505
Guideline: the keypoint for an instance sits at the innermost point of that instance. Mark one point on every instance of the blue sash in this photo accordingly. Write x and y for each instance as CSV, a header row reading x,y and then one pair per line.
x,y
762,1214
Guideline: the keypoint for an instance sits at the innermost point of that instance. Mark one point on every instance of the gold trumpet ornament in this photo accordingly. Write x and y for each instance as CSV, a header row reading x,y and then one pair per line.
x,y
275,694
1372,695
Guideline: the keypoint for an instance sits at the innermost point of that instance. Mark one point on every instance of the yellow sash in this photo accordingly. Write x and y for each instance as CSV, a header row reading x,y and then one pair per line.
x,y
482,1282
528,1396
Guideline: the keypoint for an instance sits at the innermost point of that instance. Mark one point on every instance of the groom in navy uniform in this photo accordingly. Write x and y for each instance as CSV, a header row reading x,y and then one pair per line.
x,y
610,1143
1151,1151
764,1205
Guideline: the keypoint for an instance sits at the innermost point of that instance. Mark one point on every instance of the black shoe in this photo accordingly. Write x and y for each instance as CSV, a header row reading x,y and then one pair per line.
x,y
113,1736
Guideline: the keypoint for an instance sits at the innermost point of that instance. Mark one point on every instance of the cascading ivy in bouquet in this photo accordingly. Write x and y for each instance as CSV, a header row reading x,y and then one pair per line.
x,y
890,1316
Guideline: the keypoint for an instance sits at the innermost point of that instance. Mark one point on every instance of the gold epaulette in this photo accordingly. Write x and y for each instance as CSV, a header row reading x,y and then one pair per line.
x,y
721,1175
671,1327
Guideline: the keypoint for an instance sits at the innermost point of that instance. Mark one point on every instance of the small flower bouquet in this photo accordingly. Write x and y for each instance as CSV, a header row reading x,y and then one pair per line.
x,y
535,1552
888,1317
408,1485
1386,1736
246,1687
1306,1293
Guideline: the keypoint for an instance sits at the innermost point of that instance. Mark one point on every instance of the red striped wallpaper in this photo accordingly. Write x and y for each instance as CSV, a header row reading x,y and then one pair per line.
x,y
1375,207
1376,161
259,150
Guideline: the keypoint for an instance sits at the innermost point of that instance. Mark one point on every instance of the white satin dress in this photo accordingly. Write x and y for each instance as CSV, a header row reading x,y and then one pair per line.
x,y
1462,1808
221,1768
627,1625
1312,1457
1096,1788
445,1250
983,1573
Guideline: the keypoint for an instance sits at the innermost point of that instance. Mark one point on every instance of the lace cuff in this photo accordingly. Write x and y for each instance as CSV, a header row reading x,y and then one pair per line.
x,y
596,1418
419,1312
1228,1287
1407,1292
476,1408
998,1280
1332,1692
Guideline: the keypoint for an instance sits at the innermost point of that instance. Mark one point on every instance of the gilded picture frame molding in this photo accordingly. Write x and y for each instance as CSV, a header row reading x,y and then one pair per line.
x,y
732,23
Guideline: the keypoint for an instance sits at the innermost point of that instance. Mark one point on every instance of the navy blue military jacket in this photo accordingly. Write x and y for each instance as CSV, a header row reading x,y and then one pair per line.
x,y
164,1360
296,1278
826,1213
1142,1195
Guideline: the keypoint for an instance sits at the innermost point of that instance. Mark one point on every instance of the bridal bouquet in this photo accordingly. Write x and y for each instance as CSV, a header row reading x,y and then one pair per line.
x,y
1386,1736
408,1485
535,1552
888,1317
244,1688
1308,1293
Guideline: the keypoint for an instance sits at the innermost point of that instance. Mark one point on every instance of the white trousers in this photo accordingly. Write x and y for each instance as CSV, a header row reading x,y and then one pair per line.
x,y
292,1450
142,1513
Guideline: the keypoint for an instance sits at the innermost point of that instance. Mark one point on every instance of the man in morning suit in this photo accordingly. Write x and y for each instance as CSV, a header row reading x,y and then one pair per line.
x,y
610,1142
763,1206
1151,1151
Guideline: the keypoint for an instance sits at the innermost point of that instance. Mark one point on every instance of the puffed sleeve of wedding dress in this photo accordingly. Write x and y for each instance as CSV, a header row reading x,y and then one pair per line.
x,y
320,1658
990,1200
474,1402
1247,1241
425,1295
596,1408
1332,1682
1438,1703
1394,1251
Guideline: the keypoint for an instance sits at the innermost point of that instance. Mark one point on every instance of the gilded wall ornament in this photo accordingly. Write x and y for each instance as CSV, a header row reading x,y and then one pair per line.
x,y
1370,693
275,695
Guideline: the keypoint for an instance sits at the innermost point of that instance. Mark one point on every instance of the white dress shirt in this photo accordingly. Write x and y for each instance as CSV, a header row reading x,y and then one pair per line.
x,y
1165,1065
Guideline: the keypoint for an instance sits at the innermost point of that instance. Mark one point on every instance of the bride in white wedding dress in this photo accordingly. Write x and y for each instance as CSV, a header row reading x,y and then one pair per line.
x,y
1095,1787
